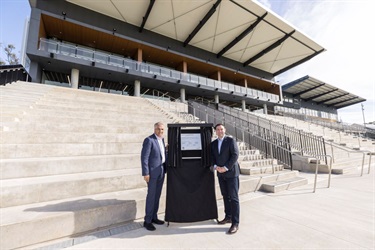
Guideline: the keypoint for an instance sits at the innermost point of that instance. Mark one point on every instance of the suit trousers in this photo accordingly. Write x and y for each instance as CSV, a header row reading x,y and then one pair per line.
x,y
229,190
154,188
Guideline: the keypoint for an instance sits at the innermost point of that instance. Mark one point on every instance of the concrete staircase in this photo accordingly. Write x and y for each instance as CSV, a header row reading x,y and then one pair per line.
x,y
346,150
70,162
273,177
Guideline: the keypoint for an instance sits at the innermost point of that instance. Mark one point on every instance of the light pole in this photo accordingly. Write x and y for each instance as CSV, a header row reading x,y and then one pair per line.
x,y
363,114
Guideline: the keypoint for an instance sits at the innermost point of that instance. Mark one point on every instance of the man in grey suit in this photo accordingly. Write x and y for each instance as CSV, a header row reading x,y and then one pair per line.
x,y
153,159
224,156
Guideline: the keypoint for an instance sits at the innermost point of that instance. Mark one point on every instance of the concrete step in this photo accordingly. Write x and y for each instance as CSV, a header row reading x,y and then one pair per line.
x,y
119,120
9,151
250,157
74,127
8,119
89,97
245,152
23,85
23,90
25,114
15,192
347,170
114,106
71,96
123,116
79,215
31,89
282,185
92,108
16,99
73,217
91,113
39,137
48,166
261,170
258,163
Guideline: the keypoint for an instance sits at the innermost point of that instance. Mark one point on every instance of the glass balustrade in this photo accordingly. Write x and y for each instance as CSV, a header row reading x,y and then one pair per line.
x,y
102,57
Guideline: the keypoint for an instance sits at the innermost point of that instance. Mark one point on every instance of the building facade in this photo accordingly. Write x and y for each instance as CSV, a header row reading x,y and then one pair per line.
x,y
220,51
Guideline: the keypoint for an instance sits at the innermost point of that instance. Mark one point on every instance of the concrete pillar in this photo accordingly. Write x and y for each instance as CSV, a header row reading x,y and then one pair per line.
x,y
137,88
74,77
36,72
216,76
139,55
182,67
182,95
43,80
216,98
265,109
243,105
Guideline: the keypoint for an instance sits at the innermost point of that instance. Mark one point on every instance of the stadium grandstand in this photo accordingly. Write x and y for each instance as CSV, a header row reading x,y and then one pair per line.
x,y
99,75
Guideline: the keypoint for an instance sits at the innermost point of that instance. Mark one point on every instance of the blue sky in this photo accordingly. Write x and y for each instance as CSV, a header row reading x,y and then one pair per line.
x,y
13,14
343,27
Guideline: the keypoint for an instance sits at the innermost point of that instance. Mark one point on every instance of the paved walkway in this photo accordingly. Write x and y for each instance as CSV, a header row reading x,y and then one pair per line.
x,y
339,217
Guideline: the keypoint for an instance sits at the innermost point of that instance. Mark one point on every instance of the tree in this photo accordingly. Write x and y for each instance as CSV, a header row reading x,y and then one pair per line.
x,y
11,57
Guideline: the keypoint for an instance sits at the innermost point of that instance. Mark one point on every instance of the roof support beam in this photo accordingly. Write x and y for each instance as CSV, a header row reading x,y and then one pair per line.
x,y
202,22
241,36
349,104
268,49
298,63
320,95
146,15
333,104
308,90
333,98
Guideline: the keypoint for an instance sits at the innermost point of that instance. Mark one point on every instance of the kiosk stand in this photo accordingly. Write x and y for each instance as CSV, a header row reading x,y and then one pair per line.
x,y
190,183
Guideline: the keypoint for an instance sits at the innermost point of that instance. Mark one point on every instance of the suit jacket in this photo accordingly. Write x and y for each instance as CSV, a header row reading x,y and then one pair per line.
x,y
151,157
227,157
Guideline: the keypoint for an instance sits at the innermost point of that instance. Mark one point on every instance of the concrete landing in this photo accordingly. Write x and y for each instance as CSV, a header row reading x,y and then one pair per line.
x,y
339,217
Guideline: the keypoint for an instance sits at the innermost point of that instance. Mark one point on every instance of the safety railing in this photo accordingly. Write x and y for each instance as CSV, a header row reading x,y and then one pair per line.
x,y
338,126
270,143
103,57
306,143
350,151
317,167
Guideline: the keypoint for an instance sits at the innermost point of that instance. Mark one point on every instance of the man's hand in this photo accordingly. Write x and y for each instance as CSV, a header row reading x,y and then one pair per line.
x,y
146,178
221,169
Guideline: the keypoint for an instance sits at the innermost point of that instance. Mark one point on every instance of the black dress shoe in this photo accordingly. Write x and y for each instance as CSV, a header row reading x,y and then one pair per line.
x,y
158,222
225,221
149,226
233,229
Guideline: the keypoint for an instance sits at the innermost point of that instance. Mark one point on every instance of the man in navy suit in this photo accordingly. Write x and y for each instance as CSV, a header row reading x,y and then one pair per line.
x,y
153,158
224,152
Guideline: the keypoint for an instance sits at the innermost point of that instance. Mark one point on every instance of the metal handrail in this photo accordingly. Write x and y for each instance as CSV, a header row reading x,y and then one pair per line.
x,y
316,170
354,151
236,127
289,151
315,143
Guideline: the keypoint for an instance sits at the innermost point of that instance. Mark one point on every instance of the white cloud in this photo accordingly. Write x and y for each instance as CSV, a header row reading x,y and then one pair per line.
x,y
345,29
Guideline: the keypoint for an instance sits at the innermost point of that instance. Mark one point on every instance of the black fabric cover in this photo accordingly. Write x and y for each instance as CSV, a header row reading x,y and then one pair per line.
x,y
190,193
206,138
190,183
174,148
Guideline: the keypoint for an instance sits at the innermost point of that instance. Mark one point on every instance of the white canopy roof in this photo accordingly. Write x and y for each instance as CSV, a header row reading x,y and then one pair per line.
x,y
241,30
